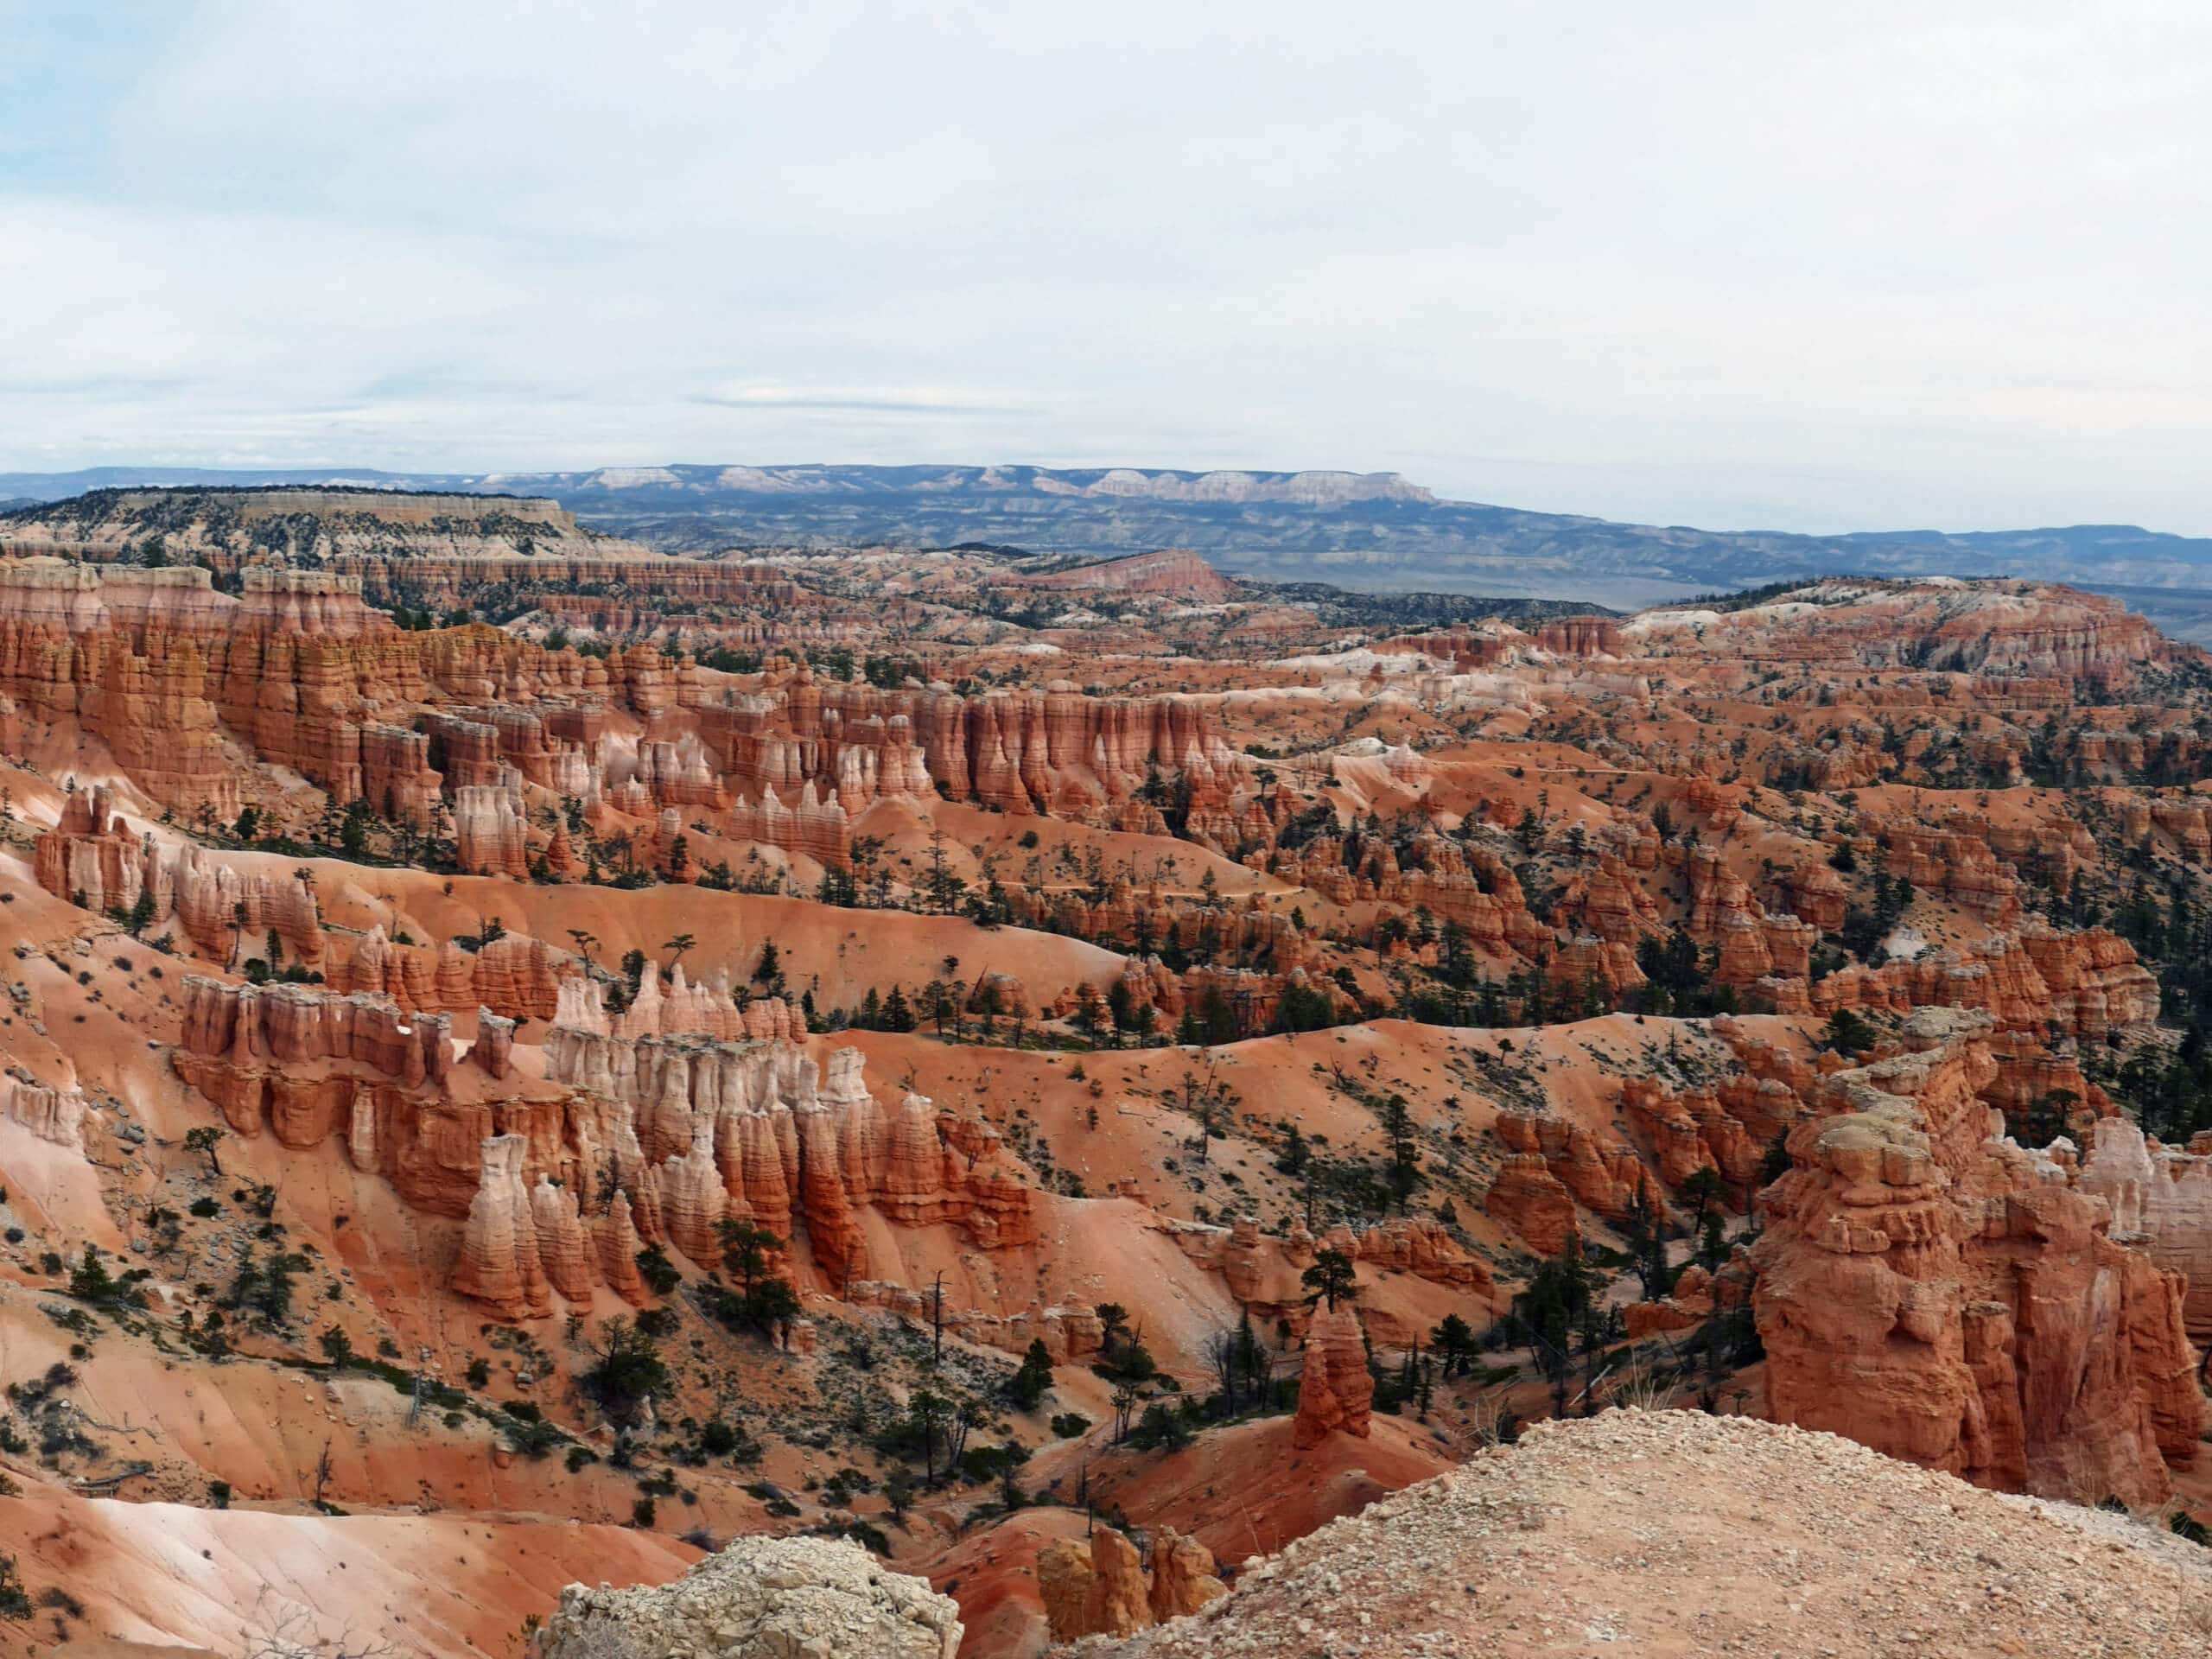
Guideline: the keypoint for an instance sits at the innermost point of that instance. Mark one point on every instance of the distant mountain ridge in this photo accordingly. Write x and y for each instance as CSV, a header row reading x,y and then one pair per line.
x,y
1375,530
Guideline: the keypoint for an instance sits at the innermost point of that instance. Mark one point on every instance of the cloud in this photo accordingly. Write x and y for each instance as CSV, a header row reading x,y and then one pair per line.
x,y
1737,263
888,400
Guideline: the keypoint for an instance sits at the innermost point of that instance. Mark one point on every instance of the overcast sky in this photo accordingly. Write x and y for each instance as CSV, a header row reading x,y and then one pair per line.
x,y
1797,266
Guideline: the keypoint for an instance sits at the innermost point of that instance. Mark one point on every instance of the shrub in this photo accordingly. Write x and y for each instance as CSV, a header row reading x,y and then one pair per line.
x,y
533,1437
1161,1429
661,1275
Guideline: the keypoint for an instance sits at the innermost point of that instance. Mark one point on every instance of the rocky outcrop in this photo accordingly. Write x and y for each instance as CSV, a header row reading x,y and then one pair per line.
x,y
1602,1176
499,1263
1561,1540
258,1052
56,1115
1262,1272
90,857
757,1122
227,908
1058,751
490,835
1946,1297
493,1051
1582,636
515,976
1099,1585
2161,1201
1175,572
1335,1390
761,1599
1750,944
618,1249
685,1009
1183,1576
1092,1587
2037,978
1068,1330
1726,1128
564,1249
1528,1198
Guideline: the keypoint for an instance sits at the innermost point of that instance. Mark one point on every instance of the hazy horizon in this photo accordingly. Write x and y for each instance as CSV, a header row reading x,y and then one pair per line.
x,y
1910,267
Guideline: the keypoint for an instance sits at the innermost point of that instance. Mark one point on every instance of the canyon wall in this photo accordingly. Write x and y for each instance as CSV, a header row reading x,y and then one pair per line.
x,y
1946,1297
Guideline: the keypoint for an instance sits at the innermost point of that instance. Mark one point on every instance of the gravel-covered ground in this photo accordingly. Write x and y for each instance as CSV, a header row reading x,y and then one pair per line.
x,y
1674,1533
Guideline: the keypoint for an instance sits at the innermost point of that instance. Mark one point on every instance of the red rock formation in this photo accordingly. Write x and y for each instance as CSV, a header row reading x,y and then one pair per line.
x,y
1183,1576
1950,1299
1093,1587
56,1115
246,1047
563,1247
493,1050
1528,1198
618,1249
1752,944
2087,983
1097,1586
1603,1178
1582,636
1027,752
790,1147
221,907
1726,1128
490,834
2161,1202
515,976
1173,571
2006,632
499,1263
92,857
1335,1390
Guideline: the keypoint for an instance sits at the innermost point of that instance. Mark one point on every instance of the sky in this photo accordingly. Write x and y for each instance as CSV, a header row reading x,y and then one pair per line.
x,y
1815,268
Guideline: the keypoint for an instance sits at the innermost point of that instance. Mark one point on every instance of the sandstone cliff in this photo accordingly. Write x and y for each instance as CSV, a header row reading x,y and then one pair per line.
x,y
1335,1389
1099,1587
1946,1298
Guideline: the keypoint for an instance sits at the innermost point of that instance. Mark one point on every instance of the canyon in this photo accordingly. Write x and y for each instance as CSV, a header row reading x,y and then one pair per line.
x,y
1059,1080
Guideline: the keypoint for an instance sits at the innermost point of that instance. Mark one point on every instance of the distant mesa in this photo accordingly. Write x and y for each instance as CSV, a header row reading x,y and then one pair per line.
x,y
1175,572
1374,531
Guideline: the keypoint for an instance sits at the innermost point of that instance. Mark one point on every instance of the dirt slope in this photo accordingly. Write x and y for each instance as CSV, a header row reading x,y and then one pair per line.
x,y
1666,1533
453,1585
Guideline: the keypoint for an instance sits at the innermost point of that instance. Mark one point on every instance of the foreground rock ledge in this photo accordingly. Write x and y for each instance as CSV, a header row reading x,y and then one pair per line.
x,y
1679,1534
761,1599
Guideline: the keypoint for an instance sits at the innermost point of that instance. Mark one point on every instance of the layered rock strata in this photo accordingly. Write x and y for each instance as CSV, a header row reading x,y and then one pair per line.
x,y
1941,1295
1335,1390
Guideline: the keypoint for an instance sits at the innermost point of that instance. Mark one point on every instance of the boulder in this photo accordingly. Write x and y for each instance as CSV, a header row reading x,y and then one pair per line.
x,y
761,1599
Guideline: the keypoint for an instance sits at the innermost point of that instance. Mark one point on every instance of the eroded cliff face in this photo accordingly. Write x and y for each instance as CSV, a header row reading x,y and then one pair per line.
x,y
655,1125
2161,1199
1099,1586
1057,752
2085,983
1946,1297
2002,630
752,1129
1336,1391
301,674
